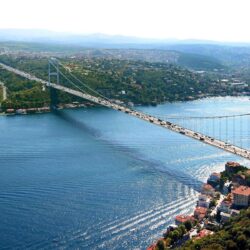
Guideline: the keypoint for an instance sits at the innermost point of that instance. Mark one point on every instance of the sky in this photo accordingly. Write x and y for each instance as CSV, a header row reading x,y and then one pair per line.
x,y
220,20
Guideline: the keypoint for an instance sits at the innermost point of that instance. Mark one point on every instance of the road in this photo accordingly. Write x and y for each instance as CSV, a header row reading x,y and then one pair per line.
x,y
214,212
245,153
4,91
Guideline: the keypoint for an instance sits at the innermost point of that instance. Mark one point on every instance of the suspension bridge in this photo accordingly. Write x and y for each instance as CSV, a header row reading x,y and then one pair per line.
x,y
165,122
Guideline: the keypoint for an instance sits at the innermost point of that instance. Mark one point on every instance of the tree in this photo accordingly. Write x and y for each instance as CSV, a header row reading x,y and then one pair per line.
x,y
212,203
160,245
182,229
213,246
188,225
175,236
231,245
242,241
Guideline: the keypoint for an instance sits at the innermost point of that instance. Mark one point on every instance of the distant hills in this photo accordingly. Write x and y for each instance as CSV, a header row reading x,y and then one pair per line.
x,y
194,54
35,35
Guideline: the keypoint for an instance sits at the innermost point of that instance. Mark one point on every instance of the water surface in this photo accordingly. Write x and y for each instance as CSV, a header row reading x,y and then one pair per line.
x,y
99,179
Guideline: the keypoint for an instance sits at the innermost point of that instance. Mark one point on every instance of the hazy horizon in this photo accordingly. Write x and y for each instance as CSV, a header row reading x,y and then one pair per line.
x,y
33,35
222,21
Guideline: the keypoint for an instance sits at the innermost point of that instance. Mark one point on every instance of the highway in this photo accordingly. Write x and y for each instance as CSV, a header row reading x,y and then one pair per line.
x,y
4,91
245,153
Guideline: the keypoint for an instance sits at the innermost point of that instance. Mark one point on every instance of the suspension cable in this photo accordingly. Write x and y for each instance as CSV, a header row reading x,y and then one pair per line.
x,y
201,117
78,80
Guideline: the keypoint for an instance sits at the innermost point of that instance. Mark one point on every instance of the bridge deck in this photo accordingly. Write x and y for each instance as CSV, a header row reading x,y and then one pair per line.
x,y
245,153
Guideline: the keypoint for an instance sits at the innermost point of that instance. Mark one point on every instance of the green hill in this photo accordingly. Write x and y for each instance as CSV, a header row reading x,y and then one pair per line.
x,y
199,62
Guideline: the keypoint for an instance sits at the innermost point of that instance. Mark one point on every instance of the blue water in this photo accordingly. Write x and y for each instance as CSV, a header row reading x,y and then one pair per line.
x,y
99,179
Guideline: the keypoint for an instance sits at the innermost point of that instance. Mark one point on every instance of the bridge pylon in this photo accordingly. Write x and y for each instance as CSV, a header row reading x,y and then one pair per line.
x,y
53,72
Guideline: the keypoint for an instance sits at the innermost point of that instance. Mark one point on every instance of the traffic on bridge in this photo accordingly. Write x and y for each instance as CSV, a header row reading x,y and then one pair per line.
x,y
245,153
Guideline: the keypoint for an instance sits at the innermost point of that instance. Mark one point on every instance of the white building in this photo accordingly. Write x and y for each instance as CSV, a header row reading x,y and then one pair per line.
x,y
224,217
204,201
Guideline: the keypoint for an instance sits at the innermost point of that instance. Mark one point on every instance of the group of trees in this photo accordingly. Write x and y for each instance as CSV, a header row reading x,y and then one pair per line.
x,y
137,81
235,235
23,93
172,236
242,170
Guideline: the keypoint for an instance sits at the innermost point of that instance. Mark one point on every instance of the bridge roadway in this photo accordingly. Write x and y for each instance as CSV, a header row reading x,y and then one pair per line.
x,y
245,153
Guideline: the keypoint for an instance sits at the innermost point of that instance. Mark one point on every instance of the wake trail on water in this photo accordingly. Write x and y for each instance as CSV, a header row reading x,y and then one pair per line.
x,y
120,228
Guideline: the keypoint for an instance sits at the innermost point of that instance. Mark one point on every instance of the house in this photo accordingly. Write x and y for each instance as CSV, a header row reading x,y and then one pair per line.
x,y
192,233
214,179
241,196
227,187
225,206
200,213
203,233
239,180
203,201
224,217
179,219
235,212
20,111
232,167
10,111
172,227
207,189
211,225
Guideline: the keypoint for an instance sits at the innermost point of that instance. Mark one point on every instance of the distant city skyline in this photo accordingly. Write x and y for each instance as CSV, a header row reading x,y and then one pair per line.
x,y
223,20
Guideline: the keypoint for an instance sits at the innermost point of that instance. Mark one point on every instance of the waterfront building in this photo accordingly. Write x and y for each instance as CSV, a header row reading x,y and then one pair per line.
x,y
204,201
214,179
21,111
179,219
241,196
10,111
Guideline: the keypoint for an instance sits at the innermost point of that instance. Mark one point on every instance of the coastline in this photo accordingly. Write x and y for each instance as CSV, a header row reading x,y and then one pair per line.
x,y
45,109
219,200
75,105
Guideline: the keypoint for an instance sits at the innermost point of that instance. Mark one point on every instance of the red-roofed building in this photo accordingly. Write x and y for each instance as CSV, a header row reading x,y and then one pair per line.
x,y
203,233
179,219
10,111
200,213
152,247
241,196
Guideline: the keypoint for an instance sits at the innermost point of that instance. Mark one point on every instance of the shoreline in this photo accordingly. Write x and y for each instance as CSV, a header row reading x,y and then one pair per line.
x,y
218,202
76,105
45,109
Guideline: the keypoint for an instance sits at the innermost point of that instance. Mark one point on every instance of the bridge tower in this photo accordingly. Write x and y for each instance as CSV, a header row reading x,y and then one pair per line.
x,y
53,72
